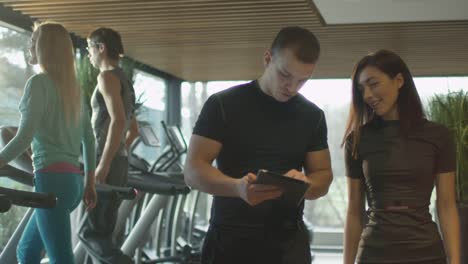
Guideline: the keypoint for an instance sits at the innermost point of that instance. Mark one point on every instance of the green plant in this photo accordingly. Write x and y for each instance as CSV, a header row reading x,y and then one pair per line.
x,y
87,77
451,110
128,67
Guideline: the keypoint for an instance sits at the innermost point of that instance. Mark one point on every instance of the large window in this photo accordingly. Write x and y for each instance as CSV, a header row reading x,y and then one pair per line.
x,y
14,72
150,92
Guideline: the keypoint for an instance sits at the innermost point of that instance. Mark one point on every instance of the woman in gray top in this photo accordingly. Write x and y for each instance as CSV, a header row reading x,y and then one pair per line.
x,y
393,158
113,105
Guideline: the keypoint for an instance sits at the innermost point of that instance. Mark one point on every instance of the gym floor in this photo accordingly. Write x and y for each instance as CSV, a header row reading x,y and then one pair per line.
x,y
328,258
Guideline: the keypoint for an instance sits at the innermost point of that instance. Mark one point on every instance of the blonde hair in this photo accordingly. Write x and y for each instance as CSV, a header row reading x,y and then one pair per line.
x,y
54,51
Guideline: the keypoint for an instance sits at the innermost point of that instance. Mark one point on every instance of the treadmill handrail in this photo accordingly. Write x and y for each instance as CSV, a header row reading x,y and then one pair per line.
x,y
5,203
17,175
29,199
126,193
157,183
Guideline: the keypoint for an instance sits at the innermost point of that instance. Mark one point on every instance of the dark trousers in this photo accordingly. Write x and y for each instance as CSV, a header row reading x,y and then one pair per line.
x,y
280,245
96,230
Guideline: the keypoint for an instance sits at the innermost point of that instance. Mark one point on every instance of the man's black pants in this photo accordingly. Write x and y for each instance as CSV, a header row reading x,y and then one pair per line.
x,y
288,244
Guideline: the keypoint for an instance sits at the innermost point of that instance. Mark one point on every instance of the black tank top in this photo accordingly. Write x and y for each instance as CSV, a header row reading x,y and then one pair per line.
x,y
100,118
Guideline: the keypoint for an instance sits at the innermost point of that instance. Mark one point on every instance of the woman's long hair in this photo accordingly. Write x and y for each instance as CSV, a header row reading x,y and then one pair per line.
x,y
54,51
409,105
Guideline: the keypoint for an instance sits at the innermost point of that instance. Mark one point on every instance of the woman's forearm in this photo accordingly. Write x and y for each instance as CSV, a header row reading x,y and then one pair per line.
x,y
352,235
450,226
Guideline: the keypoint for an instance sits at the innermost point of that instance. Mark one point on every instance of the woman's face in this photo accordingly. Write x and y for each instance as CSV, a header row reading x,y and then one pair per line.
x,y
380,92
32,48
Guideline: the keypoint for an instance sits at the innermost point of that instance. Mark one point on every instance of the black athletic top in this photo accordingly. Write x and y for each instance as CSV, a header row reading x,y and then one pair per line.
x,y
100,118
258,132
400,171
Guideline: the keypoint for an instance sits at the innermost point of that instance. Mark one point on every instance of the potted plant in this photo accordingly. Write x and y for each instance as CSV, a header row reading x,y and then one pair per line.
x,y
451,110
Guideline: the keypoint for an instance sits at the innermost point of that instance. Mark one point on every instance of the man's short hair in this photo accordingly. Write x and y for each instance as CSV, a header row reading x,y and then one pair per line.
x,y
300,41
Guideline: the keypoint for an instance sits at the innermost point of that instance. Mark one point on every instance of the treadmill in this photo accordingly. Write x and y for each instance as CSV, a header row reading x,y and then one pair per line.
x,y
157,187
20,170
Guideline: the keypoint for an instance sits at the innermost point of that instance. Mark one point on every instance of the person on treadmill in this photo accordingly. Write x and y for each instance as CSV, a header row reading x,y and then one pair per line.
x,y
113,107
263,124
55,124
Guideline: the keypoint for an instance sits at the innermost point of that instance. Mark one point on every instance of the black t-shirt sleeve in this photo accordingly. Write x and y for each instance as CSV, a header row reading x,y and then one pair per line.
x,y
446,156
353,165
211,123
319,137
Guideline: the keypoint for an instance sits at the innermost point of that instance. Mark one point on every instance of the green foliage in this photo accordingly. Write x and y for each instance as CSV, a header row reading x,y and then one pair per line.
x,y
10,220
13,43
8,223
128,66
87,76
451,110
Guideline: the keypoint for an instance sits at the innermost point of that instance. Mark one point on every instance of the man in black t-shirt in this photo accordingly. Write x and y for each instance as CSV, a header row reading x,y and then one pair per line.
x,y
264,124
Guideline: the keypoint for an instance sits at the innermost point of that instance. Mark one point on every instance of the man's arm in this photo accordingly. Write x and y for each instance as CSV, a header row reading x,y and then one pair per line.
x,y
200,174
318,172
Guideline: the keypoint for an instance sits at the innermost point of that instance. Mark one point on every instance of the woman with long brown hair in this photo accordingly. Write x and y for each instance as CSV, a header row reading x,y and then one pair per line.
x,y
394,156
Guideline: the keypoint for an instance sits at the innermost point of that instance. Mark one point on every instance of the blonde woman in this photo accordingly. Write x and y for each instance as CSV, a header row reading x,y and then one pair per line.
x,y
55,124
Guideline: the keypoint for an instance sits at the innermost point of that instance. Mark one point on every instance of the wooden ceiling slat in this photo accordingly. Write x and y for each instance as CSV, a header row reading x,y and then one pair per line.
x,y
248,28
179,11
196,25
220,39
136,6
66,2
297,14
129,3
309,24
157,40
212,39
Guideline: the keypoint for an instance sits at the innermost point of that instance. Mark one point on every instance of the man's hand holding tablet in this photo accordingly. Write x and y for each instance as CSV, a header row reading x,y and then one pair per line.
x,y
293,189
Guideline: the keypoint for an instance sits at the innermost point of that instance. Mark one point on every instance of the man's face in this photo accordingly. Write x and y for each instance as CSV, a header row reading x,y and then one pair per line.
x,y
285,74
94,52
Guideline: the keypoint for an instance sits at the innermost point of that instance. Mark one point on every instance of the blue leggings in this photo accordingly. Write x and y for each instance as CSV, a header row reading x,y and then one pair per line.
x,y
50,229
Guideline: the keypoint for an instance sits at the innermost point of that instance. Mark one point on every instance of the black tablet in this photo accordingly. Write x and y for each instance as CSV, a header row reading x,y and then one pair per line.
x,y
293,189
